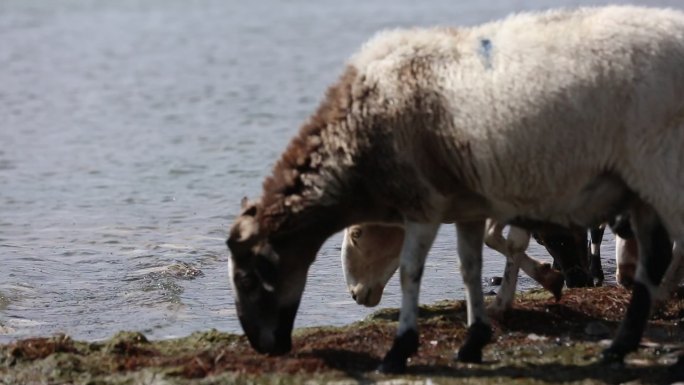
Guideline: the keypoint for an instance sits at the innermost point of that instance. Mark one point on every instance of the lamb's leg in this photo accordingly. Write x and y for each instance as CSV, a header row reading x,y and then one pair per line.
x,y
626,258
655,253
514,249
470,236
506,295
595,267
417,242
550,279
495,240
674,274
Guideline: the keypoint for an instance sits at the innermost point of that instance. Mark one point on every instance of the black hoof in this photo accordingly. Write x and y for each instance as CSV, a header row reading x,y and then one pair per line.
x,y
612,356
598,279
555,281
479,334
557,289
403,347
471,356
596,270
392,367
578,278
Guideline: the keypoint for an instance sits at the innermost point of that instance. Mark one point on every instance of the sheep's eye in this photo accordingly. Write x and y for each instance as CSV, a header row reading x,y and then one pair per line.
x,y
356,233
245,281
267,271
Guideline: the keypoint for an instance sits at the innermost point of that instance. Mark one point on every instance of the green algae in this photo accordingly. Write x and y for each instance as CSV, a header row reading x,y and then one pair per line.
x,y
541,341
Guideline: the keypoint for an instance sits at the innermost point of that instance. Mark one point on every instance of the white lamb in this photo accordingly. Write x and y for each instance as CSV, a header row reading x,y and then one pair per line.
x,y
431,126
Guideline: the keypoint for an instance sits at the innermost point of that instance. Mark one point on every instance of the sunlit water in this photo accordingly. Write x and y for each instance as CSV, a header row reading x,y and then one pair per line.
x,y
129,131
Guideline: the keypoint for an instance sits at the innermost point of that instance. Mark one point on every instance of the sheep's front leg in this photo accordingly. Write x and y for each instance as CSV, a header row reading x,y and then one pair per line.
x,y
470,236
417,242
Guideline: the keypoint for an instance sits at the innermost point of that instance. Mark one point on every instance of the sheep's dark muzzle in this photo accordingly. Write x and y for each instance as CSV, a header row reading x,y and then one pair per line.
x,y
262,336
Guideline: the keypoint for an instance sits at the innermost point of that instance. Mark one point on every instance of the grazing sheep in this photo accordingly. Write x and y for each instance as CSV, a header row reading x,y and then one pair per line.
x,y
432,126
568,247
370,256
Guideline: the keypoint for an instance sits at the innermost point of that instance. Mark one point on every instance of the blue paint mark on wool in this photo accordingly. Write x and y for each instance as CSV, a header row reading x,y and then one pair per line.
x,y
486,52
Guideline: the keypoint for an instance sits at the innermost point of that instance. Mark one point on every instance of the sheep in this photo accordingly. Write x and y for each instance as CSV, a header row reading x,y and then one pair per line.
x,y
568,247
456,125
370,256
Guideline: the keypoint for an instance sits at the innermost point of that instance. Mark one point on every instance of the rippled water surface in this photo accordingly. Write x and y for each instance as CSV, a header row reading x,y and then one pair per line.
x,y
129,131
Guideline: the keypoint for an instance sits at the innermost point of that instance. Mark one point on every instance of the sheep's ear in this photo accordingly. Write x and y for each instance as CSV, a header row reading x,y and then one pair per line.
x,y
248,208
245,232
244,203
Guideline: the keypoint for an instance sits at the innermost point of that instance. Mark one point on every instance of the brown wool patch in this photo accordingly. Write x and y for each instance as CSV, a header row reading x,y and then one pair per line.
x,y
297,160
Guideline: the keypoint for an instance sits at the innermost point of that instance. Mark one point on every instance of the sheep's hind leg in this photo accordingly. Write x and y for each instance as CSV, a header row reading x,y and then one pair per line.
x,y
417,242
470,236
655,253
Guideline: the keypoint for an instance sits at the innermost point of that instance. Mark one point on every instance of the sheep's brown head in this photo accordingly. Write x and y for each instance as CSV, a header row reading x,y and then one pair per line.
x,y
268,274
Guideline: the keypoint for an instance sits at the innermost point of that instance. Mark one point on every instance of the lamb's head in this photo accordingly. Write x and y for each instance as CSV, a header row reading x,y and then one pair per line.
x,y
268,273
370,256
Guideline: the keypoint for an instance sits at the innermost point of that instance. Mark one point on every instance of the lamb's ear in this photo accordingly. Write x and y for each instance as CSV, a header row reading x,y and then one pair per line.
x,y
244,233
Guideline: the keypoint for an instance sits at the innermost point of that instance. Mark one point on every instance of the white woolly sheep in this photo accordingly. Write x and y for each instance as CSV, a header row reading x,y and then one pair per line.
x,y
432,126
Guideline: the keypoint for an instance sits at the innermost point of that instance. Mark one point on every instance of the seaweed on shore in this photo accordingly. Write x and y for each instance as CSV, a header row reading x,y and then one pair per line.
x,y
539,341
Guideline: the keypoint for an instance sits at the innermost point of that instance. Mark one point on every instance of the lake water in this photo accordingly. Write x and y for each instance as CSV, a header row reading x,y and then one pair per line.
x,y
129,132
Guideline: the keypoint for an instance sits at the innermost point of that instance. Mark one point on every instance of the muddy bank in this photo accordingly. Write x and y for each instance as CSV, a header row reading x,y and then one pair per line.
x,y
541,341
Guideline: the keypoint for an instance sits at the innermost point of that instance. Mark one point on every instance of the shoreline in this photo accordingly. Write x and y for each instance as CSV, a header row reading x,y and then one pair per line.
x,y
539,341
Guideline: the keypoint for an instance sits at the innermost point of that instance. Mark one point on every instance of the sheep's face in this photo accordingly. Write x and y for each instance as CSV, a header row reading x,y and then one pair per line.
x,y
268,279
